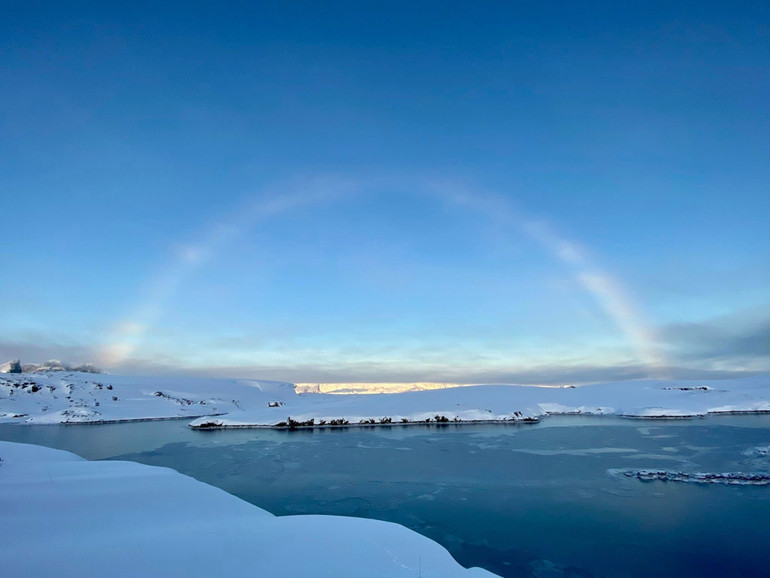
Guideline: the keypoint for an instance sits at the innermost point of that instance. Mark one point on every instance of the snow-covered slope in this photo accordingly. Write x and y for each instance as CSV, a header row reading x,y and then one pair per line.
x,y
65,516
69,397
89,398
647,398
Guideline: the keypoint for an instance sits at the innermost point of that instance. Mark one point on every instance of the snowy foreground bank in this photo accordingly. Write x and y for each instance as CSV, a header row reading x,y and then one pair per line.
x,y
39,398
65,516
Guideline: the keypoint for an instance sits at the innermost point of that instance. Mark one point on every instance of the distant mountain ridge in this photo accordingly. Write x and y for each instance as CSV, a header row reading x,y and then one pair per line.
x,y
15,366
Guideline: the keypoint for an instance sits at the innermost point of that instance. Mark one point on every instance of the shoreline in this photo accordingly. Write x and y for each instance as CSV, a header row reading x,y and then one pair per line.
x,y
528,421
516,422
433,423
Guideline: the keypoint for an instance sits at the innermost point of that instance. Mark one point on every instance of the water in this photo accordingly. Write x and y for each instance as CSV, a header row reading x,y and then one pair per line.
x,y
518,500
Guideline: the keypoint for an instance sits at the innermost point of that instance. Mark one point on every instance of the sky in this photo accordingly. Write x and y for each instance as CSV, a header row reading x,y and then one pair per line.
x,y
486,192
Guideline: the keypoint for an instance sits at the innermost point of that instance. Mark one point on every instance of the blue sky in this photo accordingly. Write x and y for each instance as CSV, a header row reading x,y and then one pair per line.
x,y
397,191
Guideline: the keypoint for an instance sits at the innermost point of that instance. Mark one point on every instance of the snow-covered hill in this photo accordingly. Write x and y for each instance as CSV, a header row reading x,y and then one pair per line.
x,y
514,403
15,366
70,397
64,397
66,516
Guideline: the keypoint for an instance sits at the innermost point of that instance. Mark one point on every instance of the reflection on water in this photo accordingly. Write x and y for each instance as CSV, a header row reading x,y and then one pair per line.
x,y
519,500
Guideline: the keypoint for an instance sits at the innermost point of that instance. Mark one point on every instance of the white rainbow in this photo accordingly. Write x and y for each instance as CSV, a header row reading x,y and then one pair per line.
x,y
128,335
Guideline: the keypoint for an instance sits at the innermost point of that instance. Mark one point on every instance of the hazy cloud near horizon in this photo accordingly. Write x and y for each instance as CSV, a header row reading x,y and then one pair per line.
x,y
720,348
711,341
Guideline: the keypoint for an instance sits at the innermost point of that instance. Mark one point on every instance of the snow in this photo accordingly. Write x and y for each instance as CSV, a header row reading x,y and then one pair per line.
x,y
371,387
69,397
516,403
65,516
72,397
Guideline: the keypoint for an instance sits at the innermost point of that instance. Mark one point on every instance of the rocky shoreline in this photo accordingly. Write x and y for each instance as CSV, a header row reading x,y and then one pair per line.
x,y
725,478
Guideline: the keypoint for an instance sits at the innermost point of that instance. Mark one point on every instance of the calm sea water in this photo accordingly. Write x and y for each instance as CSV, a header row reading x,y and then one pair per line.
x,y
518,500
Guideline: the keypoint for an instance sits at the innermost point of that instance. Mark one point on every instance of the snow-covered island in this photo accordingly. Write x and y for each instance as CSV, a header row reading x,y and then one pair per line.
x,y
87,398
65,516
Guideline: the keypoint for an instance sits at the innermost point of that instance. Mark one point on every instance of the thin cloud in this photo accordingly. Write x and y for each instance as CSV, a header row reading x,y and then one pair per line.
x,y
608,291
721,341
376,372
129,334
39,349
